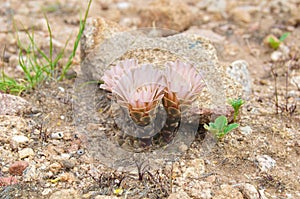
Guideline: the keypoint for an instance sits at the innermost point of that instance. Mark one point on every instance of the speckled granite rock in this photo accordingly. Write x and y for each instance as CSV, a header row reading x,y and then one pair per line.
x,y
13,105
104,43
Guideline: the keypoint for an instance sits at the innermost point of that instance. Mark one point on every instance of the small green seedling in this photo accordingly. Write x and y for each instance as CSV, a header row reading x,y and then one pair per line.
x,y
220,127
274,43
236,105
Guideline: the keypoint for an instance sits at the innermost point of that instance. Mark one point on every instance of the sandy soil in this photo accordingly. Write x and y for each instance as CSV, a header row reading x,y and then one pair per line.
x,y
62,168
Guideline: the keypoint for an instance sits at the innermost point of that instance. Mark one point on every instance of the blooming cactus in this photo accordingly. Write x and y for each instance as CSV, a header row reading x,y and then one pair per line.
x,y
140,87
137,88
184,84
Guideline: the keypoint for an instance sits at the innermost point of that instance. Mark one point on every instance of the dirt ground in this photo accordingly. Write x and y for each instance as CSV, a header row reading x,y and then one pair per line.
x,y
60,168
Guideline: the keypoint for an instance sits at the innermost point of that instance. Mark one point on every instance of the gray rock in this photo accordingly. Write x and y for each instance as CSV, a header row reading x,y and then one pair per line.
x,y
245,130
265,162
249,191
69,164
96,31
13,105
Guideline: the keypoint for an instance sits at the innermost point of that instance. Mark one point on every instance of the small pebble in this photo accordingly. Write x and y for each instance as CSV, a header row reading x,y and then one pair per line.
x,y
276,55
6,181
55,167
18,167
46,191
61,89
68,164
27,152
265,162
20,139
249,191
123,5
80,152
245,130
57,135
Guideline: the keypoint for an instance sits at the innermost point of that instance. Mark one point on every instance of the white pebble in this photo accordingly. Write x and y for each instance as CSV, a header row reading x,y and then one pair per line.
x,y
245,130
265,162
20,139
46,191
276,55
61,89
123,5
57,135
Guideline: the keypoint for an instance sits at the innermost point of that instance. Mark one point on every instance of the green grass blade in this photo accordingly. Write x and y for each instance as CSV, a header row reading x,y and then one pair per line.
x,y
80,32
284,36
52,66
24,68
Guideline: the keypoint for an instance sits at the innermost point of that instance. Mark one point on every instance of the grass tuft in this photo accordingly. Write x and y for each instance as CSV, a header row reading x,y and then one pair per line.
x,y
38,65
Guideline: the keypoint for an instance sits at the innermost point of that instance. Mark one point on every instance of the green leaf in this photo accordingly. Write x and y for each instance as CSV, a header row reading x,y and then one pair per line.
x,y
220,122
284,36
230,127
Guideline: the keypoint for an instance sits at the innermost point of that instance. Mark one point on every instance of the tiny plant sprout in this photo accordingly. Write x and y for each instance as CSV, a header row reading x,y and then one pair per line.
x,y
220,127
236,105
275,43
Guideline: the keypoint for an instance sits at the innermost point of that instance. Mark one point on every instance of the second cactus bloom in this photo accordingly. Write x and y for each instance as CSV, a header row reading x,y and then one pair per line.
x,y
184,84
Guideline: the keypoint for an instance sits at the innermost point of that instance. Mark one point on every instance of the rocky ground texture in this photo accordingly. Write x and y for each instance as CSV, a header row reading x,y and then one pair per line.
x,y
43,154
